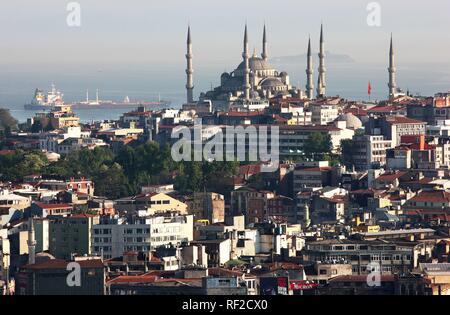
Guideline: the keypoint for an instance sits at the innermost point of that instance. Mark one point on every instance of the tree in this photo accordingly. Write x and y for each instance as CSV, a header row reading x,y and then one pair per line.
x,y
111,182
318,143
37,127
15,166
6,120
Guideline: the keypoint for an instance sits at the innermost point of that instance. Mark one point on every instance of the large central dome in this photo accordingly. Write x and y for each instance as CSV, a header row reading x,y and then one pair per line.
x,y
257,64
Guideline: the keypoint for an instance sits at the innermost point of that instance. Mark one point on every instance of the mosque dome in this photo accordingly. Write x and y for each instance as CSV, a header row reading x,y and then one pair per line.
x,y
352,121
257,64
271,82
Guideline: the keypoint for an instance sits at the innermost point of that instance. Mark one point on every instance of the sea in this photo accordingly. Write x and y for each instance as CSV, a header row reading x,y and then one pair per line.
x,y
145,83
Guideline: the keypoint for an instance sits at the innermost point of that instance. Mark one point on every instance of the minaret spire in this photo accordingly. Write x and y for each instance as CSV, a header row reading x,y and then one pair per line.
x,y
264,44
392,71
322,69
189,69
245,56
31,242
309,73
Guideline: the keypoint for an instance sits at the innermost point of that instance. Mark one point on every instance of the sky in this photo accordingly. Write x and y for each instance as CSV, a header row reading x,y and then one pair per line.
x,y
152,33
137,48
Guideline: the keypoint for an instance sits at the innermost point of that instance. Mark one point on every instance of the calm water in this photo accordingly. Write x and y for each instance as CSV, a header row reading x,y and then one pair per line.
x,y
17,84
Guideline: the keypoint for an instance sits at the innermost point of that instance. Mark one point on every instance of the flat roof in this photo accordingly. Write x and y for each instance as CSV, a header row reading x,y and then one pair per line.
x,y
395,232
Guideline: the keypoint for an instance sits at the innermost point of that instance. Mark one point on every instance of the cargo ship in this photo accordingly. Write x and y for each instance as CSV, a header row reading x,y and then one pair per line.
x,y
98,103
42,101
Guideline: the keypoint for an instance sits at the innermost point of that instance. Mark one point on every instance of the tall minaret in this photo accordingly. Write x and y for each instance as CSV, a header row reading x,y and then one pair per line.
x,y
392,71
189,69
245,56
322,69
306,217
31,242
309,73
264,45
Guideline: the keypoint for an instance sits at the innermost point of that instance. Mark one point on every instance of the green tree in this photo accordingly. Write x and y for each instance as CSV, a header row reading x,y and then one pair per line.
x,y
111,182
6,120
37,127
317,145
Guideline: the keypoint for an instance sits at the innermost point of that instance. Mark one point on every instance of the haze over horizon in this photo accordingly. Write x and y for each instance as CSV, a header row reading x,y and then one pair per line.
x,y
137,47
139,31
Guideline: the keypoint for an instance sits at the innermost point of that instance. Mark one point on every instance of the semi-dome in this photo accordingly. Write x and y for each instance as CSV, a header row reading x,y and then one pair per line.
x,y
271,82
352,121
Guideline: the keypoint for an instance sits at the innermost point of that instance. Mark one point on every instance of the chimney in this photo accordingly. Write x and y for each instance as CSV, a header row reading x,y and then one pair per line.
x,y
422,142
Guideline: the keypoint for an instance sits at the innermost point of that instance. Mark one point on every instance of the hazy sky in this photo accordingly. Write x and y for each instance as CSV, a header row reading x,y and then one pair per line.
x,y
153,32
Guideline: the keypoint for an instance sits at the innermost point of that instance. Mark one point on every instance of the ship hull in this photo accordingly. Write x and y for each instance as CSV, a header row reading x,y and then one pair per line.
x,y
118,105
37,107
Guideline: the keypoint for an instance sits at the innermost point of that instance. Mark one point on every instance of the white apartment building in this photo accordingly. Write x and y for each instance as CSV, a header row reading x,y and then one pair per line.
x,y
51,140
323,114
369,150
441,129
115,236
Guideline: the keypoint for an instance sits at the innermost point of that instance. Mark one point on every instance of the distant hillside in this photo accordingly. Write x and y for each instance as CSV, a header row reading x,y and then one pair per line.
x,y
330,58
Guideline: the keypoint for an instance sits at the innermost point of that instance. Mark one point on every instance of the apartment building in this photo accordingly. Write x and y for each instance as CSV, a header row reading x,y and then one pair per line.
x,y
71,235
152,202
112,237
369,150
392,257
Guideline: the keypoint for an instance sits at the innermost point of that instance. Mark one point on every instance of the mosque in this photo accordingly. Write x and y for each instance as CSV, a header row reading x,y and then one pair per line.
x,y
255,81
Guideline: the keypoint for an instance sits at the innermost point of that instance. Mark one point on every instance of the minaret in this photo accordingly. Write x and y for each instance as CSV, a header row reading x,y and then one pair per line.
x,y
392,71
189,69
319,86
322,69
245,56
31,242
306,220
309,73
264,45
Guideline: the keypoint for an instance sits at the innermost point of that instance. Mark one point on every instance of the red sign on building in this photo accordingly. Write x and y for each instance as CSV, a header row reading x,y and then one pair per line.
x,y
302,285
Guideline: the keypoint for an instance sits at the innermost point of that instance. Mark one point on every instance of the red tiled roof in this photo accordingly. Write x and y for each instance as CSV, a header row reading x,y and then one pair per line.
x,y
390,176
52,205
62,264
384,109
6,152
133,279
432,196
356,111
393,120
249,169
